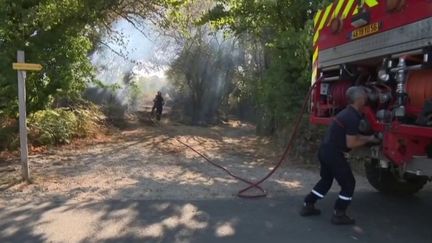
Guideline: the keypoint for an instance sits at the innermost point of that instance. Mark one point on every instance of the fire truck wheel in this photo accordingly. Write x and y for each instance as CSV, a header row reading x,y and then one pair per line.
x,y
388,182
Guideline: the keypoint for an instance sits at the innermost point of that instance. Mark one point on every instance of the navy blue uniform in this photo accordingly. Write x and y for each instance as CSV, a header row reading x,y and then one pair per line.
x,y
333,162
158,103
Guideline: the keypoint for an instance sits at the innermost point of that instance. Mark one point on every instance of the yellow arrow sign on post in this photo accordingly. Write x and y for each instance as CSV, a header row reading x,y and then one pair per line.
x,y
26,66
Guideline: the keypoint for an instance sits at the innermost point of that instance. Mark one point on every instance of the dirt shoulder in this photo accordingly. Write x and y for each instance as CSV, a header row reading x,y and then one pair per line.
x,y
147,162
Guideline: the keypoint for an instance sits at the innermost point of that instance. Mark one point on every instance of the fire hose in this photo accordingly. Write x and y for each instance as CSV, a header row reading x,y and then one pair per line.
x,y
256,185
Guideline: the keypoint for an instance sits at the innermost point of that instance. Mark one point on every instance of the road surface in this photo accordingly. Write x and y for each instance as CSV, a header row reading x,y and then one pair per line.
x,y
380,219
143,186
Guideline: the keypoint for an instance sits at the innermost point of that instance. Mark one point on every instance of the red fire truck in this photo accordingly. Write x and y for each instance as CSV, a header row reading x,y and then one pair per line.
x,y
386,47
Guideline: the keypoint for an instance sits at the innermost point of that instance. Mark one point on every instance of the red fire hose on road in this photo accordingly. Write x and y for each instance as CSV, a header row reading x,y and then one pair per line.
x,y
256,185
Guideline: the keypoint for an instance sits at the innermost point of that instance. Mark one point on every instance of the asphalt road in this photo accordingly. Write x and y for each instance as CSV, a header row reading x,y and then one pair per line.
x,y
380,219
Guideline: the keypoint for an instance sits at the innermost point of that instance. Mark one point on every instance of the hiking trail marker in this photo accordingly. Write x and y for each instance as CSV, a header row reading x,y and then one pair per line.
x,y
22,69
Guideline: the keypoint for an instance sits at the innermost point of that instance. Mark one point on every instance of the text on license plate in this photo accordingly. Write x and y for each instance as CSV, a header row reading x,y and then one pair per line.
x,y
365,31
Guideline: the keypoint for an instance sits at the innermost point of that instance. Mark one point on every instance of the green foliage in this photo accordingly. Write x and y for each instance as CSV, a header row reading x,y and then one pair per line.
x,y
52,126
59,35
135,93
287,79
60,126
276,36
89,120
203,71
8,134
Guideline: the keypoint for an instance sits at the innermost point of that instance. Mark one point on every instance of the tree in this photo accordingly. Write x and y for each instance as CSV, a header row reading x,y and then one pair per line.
x,y
203,73
60,35
277,36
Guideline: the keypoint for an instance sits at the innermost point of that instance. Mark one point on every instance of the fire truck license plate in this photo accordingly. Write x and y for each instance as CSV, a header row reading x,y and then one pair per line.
x,y
365,31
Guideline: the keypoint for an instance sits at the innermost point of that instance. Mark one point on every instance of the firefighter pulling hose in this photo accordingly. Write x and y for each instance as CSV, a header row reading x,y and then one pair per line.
x,y
385,47
375,57
342,136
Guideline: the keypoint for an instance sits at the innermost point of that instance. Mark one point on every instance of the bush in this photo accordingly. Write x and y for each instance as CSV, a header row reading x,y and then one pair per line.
x,y
89,120
61,125
8,134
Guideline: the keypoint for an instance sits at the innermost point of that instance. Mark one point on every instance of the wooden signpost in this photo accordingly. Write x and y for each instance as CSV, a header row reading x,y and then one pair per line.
x,y
22,69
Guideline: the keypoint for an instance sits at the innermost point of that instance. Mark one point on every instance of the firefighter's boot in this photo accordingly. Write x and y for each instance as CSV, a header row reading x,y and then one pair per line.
x,y
340,218
309,210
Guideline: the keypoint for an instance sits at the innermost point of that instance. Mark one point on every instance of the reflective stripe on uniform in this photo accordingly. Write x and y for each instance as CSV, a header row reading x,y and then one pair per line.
x,y
345,198
318,194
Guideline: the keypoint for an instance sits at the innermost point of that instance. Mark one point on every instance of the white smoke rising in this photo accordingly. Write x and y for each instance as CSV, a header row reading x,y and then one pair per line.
x,y
130,58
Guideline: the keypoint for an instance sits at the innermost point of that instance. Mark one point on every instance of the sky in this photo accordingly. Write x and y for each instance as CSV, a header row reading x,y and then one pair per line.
x,y
145,57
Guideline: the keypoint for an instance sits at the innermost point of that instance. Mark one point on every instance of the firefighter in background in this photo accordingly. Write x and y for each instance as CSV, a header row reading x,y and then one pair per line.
x,y
341,136
158,103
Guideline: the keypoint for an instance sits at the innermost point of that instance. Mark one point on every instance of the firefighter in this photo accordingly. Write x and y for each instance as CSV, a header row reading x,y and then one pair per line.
x,y
158,103
341,136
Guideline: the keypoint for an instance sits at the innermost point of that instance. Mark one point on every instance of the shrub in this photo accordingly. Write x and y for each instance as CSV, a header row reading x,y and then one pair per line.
x,y
61,125
8,134
89,120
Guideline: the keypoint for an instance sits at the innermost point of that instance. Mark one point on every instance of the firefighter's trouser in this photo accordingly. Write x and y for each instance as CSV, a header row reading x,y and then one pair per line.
x,y
158,111
333,166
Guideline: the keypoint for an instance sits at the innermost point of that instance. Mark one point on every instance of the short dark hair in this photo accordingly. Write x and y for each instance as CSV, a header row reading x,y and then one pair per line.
x,y
354,93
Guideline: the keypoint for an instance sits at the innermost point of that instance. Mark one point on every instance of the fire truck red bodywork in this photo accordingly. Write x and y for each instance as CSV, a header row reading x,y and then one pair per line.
x,y
402,141
413,11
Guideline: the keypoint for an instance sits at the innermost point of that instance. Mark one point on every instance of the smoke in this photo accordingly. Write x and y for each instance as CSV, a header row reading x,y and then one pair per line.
x,y
196,75
130,68
204,73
